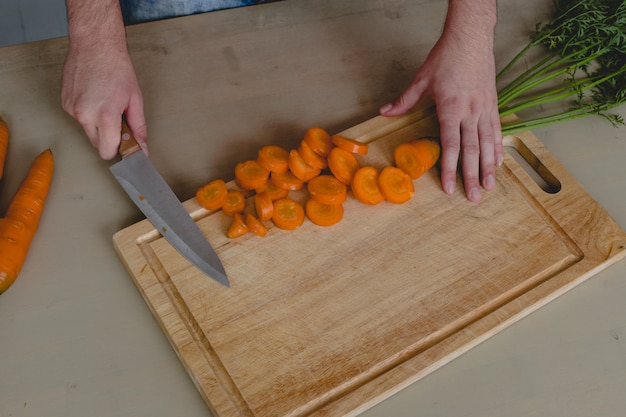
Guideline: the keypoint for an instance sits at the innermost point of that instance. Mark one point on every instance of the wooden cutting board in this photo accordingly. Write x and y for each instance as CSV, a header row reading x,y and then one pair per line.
x,y
330,321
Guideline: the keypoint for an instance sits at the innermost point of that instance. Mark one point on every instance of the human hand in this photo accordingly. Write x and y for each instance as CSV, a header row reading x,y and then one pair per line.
x,y
461,81
98,86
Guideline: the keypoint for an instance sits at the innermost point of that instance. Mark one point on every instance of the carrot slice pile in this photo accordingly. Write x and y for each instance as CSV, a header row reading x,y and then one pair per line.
x,y
327,189
365,186
272,190
319,140
342,164
264,206
235,203
395,185
237,227
273,158
288,214
255,225
311,157
212,196
286,180
300,168
417,156
251,175
350,145
323,214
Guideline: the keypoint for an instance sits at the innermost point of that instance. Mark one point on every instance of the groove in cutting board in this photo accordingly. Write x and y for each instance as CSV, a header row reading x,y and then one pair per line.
x,y
329,321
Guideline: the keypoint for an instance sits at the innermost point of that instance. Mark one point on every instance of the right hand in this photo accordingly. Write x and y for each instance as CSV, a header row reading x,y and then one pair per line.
x,y
98,87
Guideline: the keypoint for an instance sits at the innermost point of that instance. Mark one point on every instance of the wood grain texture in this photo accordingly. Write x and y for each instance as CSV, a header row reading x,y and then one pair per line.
x,y
330,321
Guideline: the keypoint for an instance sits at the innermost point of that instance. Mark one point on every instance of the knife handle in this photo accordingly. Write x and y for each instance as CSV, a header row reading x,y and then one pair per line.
x,y
128,143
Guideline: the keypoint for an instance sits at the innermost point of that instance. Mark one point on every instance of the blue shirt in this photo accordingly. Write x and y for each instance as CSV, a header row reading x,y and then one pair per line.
x,y
136,11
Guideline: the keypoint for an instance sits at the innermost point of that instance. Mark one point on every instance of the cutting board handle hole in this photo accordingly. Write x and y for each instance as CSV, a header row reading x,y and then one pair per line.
x,y
539,173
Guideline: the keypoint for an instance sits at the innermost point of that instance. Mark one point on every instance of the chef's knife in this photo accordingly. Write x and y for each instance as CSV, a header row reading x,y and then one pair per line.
x,y
157,201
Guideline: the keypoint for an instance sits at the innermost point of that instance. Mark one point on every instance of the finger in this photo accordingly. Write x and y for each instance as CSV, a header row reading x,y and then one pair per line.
x,y
498,147
137,122
405,101
109,135
470,149
486,138
450,134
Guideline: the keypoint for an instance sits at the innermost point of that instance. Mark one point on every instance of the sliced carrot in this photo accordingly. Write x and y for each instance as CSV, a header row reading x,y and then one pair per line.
x,y
327,189
365,186
286,180
250,175
350,145
288,214
274,191
263,206
323,214
235,203
395,185
417,156
273,158
237,227
342,164
311,157
319,140
301,169
212,196
255,225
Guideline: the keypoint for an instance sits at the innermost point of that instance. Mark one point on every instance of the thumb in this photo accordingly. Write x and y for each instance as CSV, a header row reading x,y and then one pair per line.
x,y
404,102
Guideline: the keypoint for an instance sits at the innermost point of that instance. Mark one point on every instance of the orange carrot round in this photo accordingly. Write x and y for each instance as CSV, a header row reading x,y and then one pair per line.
x,y
365,186
212,196
327,189
250,175
286,180
273,158
417,156
342,164
395,185
311,157
319,140
20,224
237,227
301,169
288,214
235,203
350,145
263,206
4,143
255,225
323,214
272,190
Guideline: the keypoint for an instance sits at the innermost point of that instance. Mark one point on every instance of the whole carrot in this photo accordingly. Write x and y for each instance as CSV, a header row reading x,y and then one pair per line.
x,y
4,143
18,227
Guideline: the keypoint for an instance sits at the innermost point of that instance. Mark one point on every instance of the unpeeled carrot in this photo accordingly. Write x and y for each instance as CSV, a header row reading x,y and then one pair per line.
x,y
20,224
235,203
288,214
395,185
365,187
237,227
417,156
327,189
350,145
212,195
4,143
250,175
342,164
323,214
273,158
319,140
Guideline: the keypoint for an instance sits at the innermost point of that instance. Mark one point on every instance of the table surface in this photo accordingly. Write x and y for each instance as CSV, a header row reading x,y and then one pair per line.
x,y
77,339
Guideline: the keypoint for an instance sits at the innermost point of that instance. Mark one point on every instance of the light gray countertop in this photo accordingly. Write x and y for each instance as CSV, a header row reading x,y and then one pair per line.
x,y
76,337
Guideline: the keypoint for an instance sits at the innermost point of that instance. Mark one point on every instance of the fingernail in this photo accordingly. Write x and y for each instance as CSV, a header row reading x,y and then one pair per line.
x,y
474,194
499,160
490,182
448,188
385,108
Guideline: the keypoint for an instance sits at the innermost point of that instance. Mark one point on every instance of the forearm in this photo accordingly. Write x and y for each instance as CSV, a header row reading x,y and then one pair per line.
x,y
472,22
95,25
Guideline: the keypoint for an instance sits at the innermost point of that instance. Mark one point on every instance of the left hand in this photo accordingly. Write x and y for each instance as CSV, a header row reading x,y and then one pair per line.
x,y
461,80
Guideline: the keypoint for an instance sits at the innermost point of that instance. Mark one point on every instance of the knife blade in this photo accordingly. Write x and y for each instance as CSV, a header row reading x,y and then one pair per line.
x,y
151,194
